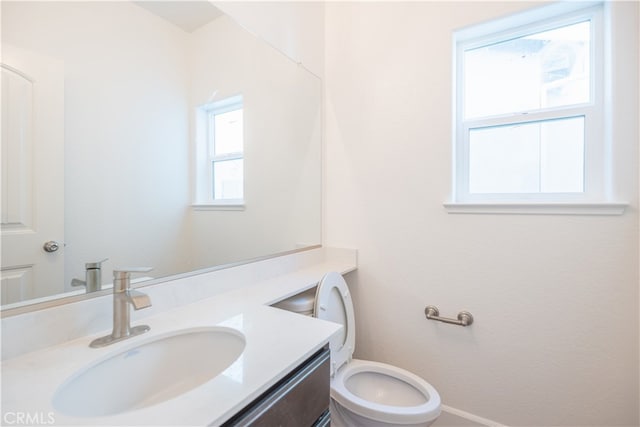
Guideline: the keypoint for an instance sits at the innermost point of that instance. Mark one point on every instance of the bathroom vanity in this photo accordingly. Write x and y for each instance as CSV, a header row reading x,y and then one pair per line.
x,y
299,399
281,371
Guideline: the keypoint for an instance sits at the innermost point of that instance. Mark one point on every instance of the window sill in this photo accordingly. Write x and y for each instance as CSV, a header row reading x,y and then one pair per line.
x,y
221,206
537,208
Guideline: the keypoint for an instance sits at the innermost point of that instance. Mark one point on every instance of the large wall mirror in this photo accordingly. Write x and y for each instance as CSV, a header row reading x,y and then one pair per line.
x,y
112,144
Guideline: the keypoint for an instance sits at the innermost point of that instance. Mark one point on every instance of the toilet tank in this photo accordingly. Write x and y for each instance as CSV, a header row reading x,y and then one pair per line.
x,y
301,303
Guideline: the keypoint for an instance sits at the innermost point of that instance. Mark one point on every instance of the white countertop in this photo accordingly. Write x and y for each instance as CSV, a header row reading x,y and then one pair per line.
x,y
276,342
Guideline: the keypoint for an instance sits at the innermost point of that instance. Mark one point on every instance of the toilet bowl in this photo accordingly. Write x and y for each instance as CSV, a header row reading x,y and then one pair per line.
x,y
365,393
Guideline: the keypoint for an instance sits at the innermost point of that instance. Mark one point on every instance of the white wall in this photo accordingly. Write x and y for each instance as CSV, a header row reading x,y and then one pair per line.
x,y
294,27
124,76
555,298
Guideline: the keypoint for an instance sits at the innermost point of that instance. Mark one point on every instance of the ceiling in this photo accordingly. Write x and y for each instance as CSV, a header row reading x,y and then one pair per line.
x,y
188,15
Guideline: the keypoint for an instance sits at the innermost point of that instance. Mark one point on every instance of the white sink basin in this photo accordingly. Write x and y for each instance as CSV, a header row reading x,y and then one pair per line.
x,y
149,373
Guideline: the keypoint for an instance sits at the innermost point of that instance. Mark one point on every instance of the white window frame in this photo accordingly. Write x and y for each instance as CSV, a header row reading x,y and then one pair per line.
x,y
205,158
595,197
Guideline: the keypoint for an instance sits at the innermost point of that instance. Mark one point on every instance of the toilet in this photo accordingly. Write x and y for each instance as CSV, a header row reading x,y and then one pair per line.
x,y
364,393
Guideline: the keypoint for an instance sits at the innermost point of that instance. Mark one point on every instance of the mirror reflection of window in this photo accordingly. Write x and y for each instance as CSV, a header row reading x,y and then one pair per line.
x,y
226,150
220,153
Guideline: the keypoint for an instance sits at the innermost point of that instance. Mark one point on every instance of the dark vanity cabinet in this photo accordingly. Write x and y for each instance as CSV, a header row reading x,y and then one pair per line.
x,y
300,399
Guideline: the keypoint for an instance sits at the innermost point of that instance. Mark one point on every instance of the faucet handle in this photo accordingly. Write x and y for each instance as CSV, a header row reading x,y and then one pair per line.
x,y
125,272
120,270
122,277
94,265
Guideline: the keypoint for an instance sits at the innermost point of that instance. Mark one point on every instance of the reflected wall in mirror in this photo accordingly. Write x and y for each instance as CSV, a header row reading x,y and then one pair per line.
x,y
105,113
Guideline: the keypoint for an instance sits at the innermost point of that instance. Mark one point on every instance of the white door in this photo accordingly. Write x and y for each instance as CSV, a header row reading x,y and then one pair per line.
x,y
32,175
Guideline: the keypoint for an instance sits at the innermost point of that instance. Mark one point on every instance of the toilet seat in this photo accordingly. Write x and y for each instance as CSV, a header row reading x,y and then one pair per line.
x,y
333,303
410,413
415,401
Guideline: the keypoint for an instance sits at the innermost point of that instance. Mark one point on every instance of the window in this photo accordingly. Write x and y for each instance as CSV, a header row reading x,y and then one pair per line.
x,y
225,151
529,109
220,153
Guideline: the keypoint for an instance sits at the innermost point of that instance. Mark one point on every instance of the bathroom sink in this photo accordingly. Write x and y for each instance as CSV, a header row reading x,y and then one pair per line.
x,y
149,373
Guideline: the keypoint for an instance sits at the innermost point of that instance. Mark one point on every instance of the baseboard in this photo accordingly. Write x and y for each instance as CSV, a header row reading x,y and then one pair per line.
x,y
452,417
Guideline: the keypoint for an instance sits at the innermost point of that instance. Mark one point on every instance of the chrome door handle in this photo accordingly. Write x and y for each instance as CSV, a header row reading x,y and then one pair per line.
x,y
51,246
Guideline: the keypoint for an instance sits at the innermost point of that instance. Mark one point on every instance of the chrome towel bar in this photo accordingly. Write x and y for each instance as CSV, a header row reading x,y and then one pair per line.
x,y
464,317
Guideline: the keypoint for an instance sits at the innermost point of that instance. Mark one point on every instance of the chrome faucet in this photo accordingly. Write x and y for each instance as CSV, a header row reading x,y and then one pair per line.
x,y
93,276
122,297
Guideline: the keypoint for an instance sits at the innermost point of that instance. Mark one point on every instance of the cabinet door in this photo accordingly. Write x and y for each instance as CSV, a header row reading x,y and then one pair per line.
x,y
300,399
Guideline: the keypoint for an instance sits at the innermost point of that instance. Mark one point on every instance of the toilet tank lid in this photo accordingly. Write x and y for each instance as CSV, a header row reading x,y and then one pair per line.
x,y
299,303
